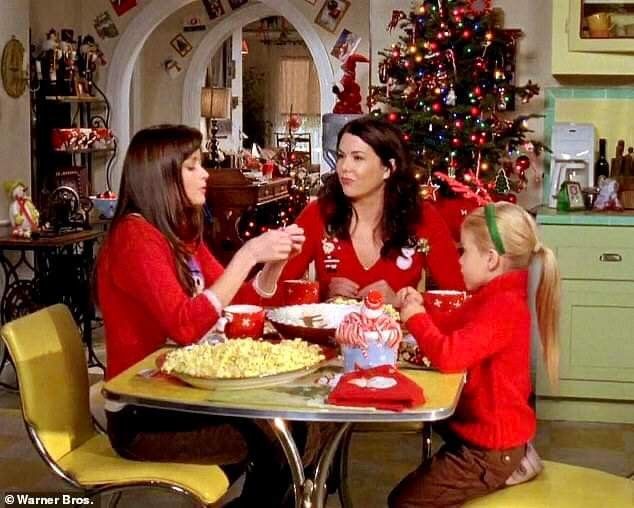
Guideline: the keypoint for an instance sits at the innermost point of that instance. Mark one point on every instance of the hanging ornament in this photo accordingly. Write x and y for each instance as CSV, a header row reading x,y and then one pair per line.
x,y
522,163
383,72
477,8
451,56
429,190
501,102
502,183
394,20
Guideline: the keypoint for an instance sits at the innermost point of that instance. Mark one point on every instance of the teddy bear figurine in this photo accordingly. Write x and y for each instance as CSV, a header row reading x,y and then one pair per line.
x,y
23,215
608,198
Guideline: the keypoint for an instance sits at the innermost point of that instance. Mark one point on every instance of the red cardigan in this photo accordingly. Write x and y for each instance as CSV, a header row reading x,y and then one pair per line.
x,y
141,298
441,258
489,337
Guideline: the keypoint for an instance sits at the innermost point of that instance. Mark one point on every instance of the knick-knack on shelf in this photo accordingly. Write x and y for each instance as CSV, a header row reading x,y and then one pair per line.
x,y
23,215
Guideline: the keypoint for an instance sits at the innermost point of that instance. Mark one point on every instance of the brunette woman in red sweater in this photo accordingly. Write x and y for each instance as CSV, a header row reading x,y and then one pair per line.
x,y
489,338
156,280
369,229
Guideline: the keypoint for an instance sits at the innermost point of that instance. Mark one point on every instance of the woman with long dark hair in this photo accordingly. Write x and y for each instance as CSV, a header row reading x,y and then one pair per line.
x,y
369,228
156,279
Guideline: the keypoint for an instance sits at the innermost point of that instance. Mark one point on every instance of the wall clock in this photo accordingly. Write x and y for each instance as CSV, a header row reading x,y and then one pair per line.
x,y
12,68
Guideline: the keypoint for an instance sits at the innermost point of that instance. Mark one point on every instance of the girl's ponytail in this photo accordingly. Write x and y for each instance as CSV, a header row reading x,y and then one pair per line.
x,y
548,310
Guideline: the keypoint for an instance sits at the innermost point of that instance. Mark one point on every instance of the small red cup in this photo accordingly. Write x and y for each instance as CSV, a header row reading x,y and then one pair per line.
x,y
444,300
242,321
268,168
298,292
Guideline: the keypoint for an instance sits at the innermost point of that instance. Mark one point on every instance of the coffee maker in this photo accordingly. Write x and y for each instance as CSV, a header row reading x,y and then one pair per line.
x,y
572,157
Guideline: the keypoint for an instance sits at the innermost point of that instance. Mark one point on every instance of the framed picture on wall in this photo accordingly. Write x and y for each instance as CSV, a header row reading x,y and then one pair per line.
x,y
214,8
181,45
331,14
236,4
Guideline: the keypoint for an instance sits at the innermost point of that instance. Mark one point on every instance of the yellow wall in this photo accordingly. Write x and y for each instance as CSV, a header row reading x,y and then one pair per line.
x,y
612,118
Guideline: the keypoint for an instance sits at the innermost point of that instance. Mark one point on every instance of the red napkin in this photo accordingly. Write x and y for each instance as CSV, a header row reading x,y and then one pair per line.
x,y
381,387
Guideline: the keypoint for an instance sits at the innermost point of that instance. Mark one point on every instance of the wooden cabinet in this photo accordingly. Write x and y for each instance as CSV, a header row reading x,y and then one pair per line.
x,y
596,378
577,51
229,195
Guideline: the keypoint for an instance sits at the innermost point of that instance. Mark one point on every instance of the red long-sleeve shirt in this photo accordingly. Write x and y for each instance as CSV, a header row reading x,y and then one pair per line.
x,y
141,298
489,337
337,258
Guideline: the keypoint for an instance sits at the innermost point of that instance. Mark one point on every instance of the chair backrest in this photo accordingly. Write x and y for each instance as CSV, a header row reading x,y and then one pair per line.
x,y
52,374
303,143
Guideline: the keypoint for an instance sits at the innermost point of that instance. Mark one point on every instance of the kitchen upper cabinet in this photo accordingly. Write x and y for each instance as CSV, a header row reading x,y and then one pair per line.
x,y
593,37
601,26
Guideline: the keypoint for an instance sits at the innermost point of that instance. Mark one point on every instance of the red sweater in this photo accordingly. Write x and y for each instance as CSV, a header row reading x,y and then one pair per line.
x,y
337,258
141,298
489,337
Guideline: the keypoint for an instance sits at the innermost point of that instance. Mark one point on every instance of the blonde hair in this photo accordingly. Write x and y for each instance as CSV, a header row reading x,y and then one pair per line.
x,y
518,233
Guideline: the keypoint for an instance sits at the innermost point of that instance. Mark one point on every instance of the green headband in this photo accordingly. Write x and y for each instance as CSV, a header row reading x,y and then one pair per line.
x,y
492,226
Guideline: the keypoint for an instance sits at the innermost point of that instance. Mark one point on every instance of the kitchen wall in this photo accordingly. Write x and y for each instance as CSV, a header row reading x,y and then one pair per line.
x,y
15,137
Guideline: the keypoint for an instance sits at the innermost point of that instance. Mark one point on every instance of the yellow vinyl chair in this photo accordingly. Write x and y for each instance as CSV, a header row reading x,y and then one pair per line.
x,y
53,381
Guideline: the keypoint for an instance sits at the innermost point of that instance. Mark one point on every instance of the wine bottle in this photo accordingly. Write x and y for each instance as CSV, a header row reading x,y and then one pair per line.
x,y
602,166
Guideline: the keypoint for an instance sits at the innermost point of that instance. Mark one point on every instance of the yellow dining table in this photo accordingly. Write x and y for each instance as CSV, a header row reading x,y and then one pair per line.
x,y
302,399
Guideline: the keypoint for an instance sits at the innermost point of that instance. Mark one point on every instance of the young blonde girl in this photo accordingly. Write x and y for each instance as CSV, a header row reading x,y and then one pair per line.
x,y
489,338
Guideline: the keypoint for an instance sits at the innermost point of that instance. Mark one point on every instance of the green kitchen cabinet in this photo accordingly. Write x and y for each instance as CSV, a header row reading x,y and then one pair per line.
x,y
596,373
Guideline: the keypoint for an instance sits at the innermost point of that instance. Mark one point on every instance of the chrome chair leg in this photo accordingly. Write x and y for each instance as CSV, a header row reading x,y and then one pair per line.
x,y
343,491
320,493
115,497
301,488
427,444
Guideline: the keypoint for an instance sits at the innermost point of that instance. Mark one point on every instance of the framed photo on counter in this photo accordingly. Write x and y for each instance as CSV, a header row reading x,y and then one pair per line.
x,y
575,196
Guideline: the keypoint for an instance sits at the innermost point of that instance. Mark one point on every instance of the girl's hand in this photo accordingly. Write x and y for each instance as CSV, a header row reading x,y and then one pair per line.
x,y
297,238
409,308
380,285
340,286
274,245
407,293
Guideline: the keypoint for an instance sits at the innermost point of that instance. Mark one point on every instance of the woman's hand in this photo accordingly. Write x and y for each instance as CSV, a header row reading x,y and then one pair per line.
x,y
389,297
340,286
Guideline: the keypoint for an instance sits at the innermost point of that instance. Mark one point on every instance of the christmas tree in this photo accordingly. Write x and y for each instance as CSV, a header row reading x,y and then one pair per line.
x,y
449,84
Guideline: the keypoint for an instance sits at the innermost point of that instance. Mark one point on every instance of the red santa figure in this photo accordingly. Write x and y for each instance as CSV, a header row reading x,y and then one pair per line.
x,y
349,96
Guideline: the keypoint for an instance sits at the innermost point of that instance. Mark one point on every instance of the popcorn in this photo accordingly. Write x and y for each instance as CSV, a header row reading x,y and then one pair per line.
x,y
242,358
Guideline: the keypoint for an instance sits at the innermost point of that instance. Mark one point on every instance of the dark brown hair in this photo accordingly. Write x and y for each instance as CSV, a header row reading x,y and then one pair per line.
x,y
402,203
152,186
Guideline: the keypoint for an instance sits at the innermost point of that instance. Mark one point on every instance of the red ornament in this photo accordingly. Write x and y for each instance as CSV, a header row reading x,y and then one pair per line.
x,y
436,107
393,117
522,163
474,111
478,8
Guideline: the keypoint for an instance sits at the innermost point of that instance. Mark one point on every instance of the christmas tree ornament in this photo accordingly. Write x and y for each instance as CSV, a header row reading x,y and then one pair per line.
x,y
455,72
502,183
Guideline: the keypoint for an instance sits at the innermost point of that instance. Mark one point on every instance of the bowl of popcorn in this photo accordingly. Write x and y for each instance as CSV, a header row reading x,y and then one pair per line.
x,y
315,322
242,363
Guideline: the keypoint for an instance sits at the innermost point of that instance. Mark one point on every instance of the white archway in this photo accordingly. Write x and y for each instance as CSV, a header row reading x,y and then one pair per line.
x,y
149,17
211,43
